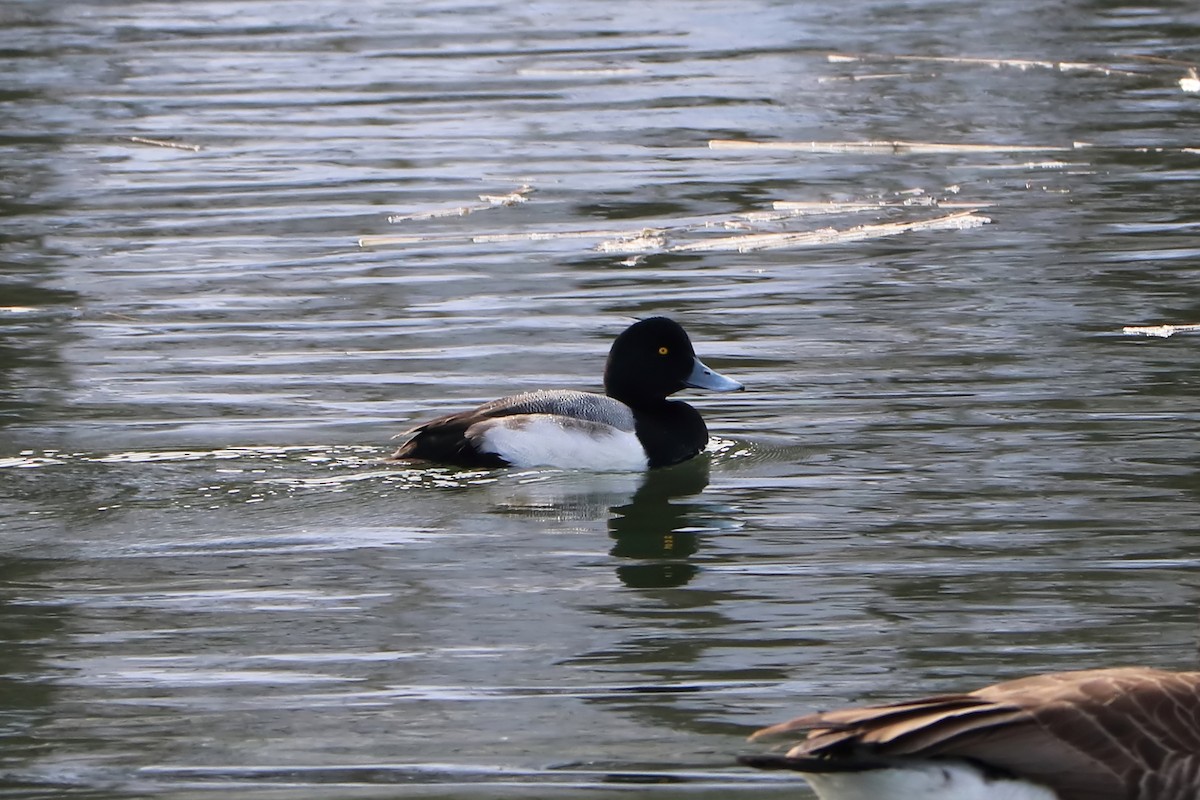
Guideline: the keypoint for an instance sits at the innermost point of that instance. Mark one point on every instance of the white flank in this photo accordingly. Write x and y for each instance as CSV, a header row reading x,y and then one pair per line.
x,y
546,440
947,780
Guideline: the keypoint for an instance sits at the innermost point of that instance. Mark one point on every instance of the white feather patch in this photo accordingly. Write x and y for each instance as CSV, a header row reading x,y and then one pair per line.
x,y
924,780
548,440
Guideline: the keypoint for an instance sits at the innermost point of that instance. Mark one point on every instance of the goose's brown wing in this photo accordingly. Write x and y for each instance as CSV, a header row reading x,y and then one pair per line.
x,y
1092,735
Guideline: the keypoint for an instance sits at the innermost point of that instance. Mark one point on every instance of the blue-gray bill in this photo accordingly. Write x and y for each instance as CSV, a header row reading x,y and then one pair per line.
x,y
702,377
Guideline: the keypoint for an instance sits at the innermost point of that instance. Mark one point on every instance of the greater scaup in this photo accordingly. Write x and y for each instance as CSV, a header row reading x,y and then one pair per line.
x,y
631,426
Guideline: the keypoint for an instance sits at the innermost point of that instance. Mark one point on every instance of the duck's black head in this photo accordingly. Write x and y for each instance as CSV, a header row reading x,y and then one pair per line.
x,y
654,358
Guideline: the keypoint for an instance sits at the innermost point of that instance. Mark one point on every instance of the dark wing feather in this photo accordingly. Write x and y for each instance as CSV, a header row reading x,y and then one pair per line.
x,y
444,440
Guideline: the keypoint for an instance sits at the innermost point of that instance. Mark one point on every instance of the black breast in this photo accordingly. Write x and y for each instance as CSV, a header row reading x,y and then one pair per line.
x,y
670,432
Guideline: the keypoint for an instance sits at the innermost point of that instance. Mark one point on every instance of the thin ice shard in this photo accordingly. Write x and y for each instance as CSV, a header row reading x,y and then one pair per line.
x,y
1161,331
896,146
824,236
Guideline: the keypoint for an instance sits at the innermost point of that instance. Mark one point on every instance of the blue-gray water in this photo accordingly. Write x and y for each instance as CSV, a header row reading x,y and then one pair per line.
x,y
950,466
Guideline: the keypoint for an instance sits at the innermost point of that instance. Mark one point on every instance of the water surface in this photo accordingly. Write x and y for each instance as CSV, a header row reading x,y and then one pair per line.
x,y
950,466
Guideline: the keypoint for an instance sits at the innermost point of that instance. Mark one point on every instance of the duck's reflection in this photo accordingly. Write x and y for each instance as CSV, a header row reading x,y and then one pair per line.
x,y
651,528
656,531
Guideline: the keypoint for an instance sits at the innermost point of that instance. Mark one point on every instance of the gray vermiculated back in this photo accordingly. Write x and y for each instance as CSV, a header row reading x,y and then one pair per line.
x,y
578,405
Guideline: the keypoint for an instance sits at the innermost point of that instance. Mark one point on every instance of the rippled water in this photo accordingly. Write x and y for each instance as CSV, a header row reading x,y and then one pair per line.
x,y
951,465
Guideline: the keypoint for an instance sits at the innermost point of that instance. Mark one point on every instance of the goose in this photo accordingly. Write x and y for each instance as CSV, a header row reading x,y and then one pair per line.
x,y
1126,733
632,426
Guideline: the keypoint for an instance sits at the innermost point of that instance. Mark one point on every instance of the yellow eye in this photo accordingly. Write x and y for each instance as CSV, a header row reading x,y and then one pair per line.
x,y
662,351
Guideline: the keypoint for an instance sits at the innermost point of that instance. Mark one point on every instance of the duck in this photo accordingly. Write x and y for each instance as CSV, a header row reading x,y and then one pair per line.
x,y
632,426
1123,733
